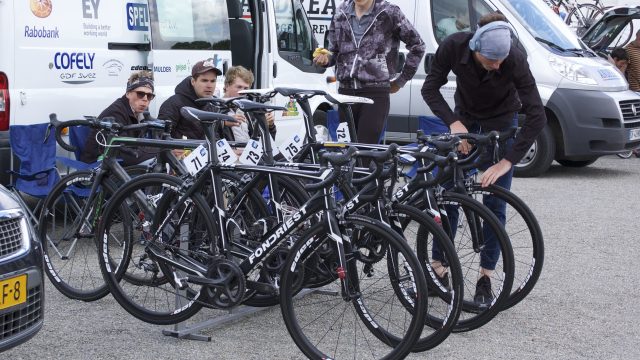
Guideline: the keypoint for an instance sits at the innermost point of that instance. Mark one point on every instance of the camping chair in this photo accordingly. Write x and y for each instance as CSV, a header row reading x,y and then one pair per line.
x,y
37,173
429,125
78,137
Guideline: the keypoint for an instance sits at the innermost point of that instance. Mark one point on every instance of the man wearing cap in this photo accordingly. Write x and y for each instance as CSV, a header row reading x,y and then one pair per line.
x,y
126,110
494,83
201,84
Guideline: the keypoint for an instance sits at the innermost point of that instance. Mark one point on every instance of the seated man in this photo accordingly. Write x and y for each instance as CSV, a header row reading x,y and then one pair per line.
x,y
452,25
126,110
238,78
201,84
620,60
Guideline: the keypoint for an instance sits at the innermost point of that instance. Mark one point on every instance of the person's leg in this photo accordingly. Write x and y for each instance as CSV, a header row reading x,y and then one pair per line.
x,y
355,110
372,117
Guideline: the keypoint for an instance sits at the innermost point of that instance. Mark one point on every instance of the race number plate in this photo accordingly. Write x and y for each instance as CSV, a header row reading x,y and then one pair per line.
x,y
226,155
252,153
291,147
342,133
13,291
196,160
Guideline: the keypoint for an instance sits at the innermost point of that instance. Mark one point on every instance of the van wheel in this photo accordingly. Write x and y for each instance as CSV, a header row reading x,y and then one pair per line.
x,y
576,163
539,157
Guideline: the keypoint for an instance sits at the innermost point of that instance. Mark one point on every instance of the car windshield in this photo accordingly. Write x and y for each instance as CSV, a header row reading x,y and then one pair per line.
x,y
545,25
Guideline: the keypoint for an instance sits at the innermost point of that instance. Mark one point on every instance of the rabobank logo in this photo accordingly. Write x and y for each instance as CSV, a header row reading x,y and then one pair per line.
x,y
137,17
75,67
41,32
41,8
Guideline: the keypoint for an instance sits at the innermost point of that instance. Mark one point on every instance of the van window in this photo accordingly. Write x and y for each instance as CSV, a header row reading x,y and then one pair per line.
x,y
190,24
544,25
295,38
452,16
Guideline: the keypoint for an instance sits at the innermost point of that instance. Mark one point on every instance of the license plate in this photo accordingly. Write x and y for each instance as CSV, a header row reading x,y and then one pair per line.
x,y
634,134
13,291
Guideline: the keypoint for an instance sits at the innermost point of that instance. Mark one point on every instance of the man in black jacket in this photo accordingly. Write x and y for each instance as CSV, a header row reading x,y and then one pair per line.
x,y
494,83
126,110
201,84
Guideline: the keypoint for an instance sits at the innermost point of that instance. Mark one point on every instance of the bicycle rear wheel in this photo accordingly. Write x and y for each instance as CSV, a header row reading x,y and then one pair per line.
x,y
162,293
369,322
68,241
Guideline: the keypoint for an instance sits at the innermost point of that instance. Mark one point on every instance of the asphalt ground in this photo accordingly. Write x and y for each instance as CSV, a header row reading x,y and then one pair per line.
x,y
582,308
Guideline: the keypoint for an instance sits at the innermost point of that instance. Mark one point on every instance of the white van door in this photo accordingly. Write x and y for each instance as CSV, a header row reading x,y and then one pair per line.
x,y
441,18
183,33
291,51
69,59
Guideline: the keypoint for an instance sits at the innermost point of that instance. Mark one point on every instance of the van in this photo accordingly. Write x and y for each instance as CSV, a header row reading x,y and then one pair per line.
x,y
589,108
73,57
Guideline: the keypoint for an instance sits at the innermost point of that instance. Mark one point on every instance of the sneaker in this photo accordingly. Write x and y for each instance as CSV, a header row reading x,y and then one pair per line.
x,y
444,282
484,295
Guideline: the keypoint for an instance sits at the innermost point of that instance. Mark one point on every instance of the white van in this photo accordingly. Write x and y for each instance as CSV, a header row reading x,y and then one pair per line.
x,y
73,57
589,108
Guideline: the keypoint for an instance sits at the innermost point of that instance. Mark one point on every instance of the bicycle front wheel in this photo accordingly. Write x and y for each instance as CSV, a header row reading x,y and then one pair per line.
x,y
366,321
156,287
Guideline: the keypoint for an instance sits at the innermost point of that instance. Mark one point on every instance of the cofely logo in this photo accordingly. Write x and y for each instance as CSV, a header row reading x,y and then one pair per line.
x,y
41,32
62,60
74,68
137,17
41,8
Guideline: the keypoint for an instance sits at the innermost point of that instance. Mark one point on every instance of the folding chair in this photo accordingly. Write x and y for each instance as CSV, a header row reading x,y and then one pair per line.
x,y
78,138
37,173
429,125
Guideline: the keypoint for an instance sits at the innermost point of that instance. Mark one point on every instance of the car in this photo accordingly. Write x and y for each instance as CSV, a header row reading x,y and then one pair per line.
x,y
21,280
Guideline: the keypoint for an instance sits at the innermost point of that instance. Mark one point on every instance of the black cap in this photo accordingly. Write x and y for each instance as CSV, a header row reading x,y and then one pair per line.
x,y
203,66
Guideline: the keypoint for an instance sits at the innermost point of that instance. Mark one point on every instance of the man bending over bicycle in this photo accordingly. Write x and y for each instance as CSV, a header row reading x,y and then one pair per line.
x,y
126,110
494,83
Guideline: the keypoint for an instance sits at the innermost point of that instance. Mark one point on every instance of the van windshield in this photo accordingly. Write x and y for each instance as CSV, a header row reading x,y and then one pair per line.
x,y
541,22
190,24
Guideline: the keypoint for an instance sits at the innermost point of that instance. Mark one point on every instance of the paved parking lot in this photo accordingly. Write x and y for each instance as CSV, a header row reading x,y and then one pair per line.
x,y
583,307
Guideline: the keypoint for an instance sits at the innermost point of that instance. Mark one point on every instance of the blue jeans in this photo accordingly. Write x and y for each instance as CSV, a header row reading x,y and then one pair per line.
x,y
490,252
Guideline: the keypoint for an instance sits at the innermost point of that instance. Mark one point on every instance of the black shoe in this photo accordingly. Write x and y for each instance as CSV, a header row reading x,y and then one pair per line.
x,y
484,295
444,282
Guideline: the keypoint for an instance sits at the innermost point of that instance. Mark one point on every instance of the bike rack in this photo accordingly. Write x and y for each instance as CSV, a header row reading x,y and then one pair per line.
x,y
189,332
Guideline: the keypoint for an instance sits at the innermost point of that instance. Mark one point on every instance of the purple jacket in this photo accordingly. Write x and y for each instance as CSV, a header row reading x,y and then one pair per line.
x,y
374,60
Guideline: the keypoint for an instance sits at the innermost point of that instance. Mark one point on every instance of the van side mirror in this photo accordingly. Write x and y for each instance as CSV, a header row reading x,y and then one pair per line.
x,y
401,59
428,59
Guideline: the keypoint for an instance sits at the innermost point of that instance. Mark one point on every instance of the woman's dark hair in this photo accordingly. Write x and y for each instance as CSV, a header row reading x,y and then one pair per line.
x,y
491,17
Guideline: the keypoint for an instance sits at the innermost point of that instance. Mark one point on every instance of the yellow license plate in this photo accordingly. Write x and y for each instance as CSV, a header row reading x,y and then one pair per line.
x,y
13,291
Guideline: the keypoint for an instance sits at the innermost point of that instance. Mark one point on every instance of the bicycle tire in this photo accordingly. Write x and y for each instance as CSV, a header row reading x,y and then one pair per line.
x,y
590,13
526,241
157,299
70,258
341,318
445,301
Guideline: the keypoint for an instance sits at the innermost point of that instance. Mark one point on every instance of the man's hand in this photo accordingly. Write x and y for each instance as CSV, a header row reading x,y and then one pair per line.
x,y
394,87
492,174
270,118
239,117
459,128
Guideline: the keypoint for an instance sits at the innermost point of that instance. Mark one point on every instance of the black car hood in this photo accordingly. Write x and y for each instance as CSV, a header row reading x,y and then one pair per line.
x,y
601,34
6,200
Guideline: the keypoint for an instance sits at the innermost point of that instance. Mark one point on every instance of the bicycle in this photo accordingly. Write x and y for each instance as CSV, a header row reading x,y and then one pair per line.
x,y
579,16
207,274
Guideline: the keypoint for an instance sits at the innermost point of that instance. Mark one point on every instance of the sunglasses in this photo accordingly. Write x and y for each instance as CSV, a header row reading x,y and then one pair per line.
x,y
142,94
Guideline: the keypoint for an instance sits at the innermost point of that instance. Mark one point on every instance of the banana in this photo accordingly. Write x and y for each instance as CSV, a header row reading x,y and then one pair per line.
x,y
321,51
